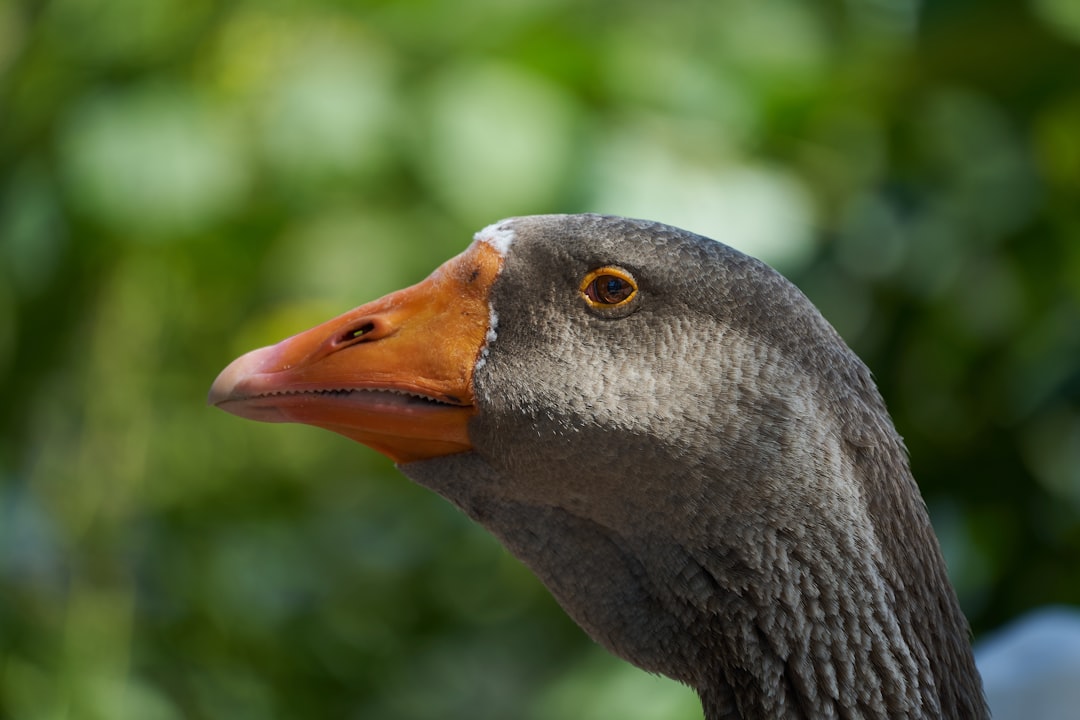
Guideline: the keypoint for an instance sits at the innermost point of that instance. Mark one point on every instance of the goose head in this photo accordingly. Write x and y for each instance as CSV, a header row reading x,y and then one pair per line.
x,y
674,440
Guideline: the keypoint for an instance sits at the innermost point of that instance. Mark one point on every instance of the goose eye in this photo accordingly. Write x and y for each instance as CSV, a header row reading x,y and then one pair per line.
x,y
608,287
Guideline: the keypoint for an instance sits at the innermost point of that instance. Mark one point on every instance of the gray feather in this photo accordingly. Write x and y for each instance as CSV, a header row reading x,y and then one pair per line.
x,y
708,481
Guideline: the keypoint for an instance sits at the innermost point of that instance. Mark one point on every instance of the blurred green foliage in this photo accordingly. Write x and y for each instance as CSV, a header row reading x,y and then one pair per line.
x,y
183,181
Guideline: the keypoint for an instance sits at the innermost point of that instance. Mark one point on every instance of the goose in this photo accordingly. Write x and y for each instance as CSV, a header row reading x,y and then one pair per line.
x,y
674,440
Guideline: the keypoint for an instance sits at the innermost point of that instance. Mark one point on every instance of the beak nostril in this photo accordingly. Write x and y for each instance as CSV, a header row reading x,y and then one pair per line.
x,y
355,334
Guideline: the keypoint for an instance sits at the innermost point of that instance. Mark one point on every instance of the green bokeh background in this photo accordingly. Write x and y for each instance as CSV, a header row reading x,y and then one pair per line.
x,y
184,180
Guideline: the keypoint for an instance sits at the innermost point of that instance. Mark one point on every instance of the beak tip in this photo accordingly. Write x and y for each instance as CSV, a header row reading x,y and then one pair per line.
x,y
228,380
215,396
221,390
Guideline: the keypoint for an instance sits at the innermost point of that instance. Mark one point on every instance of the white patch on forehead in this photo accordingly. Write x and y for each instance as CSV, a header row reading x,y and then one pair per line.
x,y
498,235
492,333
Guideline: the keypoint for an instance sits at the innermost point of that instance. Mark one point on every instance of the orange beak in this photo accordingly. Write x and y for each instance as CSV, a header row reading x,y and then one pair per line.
x,y
395,374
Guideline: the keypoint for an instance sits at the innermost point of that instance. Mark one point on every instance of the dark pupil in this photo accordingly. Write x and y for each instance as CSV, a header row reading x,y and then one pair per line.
x,y
613,289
